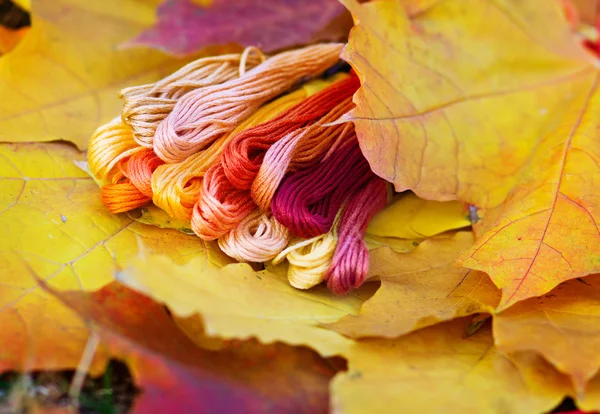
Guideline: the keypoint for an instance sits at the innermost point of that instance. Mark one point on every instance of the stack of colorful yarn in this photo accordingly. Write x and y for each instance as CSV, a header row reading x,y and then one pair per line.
x,y
251,151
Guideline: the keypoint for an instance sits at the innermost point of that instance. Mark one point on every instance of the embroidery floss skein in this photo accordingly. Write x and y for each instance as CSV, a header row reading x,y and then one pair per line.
x,y
145,106
307,201
297,150
121,195
243,155
177,186
350,263
221,208
309,259
110,144
257,238
139,169
203,115
213,204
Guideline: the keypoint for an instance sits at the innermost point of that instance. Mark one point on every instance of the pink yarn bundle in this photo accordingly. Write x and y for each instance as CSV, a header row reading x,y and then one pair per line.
x,y
307,201
350,264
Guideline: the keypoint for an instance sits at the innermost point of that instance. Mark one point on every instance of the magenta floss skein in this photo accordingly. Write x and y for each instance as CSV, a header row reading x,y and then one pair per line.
x,y
308,200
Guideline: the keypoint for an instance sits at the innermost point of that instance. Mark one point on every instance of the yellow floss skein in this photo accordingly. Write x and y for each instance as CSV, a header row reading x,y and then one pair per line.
x,y
110,143
309,259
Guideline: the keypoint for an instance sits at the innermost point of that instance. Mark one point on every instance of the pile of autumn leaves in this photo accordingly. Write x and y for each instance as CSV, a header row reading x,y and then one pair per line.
x,y
485,110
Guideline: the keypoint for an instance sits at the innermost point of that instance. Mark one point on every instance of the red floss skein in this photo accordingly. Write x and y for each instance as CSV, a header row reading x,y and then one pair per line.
x,y
307,201
243,155
350,264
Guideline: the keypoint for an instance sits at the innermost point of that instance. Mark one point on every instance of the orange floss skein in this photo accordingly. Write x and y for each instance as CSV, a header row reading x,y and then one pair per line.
x,y
131,187
121,195
145,106
243,155
201,116
177,186
297,150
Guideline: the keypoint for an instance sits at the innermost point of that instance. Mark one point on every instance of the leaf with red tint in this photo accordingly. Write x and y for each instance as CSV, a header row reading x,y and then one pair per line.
x,y
184,28
177,376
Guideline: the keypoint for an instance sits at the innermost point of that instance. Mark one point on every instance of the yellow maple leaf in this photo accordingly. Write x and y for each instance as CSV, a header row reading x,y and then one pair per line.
x,y
62,81
435,370
493,103
236,302
54,227
420,289
411,217
562,326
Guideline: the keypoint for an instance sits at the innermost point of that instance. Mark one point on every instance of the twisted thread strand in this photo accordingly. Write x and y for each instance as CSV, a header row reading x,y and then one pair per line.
x,y
145,106
177,186
299,149
257,238
203,115
243,155
307,201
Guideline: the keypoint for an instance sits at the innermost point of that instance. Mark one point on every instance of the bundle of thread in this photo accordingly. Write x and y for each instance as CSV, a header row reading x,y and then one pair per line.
x,y
252,151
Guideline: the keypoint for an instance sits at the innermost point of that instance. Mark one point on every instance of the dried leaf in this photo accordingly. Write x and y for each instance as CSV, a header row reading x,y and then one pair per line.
x,y
183,27
236,302
562,326
435,369
176,376
61,83
515,132
55,228
410,217
420,289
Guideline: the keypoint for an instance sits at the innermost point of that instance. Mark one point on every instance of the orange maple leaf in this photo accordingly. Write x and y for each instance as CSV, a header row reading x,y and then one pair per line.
x,y
493,103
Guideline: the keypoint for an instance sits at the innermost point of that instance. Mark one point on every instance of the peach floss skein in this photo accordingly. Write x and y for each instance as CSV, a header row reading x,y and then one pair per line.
x,y
243,155
145,106
177,186
298,150
257,238
201,116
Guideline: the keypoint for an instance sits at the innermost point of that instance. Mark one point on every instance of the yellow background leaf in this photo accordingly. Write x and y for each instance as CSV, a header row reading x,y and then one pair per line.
x,y
62,81
237,302
55,227
420,289
435,370
410,217
562,326
24,4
